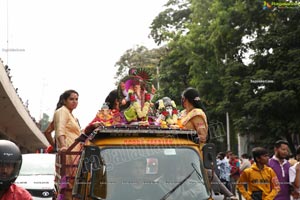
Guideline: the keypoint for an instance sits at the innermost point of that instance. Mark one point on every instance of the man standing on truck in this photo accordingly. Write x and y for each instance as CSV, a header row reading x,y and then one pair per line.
x,y
10,165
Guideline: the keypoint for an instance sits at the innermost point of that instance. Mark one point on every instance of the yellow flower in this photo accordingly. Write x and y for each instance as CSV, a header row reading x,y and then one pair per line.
x,y
173,104
141,112
161,104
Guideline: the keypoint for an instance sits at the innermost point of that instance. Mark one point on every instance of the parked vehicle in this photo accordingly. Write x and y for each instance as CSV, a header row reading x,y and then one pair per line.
x,y
37,175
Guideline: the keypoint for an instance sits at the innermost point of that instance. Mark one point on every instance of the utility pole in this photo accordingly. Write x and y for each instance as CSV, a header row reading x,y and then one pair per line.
x,y
227,117
227,131
157,73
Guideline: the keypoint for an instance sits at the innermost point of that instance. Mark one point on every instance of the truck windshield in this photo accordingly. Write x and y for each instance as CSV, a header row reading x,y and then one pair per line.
x,y
151,173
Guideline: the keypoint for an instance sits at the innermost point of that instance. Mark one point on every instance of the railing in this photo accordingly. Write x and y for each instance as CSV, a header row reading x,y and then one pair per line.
x,y
64,180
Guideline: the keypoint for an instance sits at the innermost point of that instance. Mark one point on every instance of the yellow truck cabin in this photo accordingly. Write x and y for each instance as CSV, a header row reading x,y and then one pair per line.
x,y
141,163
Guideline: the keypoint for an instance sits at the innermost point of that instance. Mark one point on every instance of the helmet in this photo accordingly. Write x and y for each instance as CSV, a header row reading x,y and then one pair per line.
x,y
10,163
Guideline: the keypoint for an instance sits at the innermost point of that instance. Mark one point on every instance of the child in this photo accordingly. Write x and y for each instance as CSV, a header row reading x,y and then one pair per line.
x,y
259,181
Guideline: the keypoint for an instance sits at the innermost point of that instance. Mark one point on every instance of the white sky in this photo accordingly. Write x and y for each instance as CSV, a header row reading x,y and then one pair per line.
x,y
71,44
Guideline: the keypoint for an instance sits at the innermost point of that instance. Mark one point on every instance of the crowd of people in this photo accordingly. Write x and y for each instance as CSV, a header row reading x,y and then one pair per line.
x,y
260,177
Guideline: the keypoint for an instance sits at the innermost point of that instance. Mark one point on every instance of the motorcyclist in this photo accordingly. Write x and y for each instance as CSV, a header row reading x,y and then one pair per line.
x,y
10,164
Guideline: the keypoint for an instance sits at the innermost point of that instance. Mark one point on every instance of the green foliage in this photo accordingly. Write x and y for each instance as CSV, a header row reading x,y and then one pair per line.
x,y
242,58
44,122
174,77
170,22
139,57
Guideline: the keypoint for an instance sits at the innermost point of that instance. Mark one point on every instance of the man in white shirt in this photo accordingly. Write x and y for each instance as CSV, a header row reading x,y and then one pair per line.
x,y
224,170
294,173
245,162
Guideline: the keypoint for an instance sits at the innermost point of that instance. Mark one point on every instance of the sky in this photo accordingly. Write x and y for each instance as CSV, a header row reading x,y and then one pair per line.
x,y
55,45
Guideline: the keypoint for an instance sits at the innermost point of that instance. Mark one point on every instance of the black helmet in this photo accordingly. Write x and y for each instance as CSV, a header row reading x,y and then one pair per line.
x,y
10,156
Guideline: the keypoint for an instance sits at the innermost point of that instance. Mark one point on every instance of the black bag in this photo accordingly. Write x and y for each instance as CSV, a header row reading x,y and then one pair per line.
x,y
256,195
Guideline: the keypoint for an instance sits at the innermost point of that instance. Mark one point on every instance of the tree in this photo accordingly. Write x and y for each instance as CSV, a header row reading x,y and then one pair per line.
x,y
242,58
44,122
276,66
140,57
251,92
210,55
171,22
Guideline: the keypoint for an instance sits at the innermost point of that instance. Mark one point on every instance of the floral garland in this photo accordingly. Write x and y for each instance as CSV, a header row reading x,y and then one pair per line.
x,y
141,112
136,111
169,119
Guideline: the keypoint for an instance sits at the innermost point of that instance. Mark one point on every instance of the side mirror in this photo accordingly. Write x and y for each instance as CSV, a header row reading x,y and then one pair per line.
x,y
209,156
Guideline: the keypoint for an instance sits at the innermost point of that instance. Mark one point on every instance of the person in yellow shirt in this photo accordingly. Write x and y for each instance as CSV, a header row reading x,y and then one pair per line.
x,y
259,181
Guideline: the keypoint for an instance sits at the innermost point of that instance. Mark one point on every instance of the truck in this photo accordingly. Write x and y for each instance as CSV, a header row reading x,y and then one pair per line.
x,y
138,163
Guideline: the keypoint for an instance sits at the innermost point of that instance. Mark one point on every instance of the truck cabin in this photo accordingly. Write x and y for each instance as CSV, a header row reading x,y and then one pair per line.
x,y
142,163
